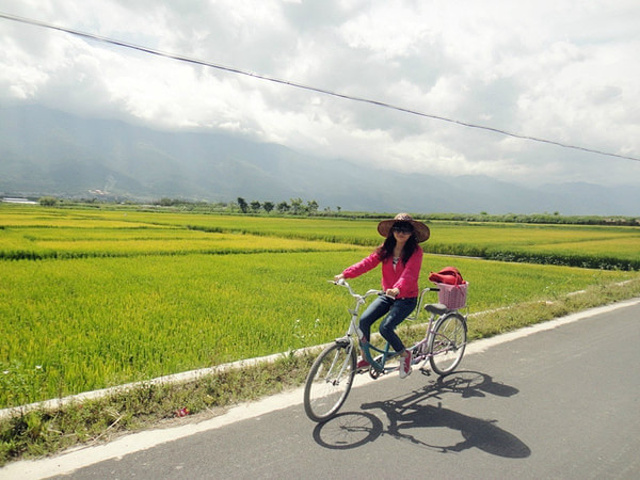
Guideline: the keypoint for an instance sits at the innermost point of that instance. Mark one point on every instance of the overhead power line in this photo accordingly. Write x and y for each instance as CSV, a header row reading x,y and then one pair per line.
x,y
182,58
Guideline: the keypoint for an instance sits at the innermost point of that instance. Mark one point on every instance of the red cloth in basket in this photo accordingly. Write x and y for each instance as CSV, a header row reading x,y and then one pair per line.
x,y
448,275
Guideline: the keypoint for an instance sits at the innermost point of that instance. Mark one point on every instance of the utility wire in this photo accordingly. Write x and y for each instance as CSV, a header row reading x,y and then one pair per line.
x,y
182,58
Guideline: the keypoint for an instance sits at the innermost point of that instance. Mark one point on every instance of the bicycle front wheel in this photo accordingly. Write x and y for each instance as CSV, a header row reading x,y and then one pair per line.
x,y
447,343
329,381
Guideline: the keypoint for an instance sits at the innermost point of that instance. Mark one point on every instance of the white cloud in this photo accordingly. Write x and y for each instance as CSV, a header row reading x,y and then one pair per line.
x,y
564,70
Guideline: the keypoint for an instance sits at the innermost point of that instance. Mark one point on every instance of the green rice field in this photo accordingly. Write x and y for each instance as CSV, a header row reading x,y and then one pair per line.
x,y
93,298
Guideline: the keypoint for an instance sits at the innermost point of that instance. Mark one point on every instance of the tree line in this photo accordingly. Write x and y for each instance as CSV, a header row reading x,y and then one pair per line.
x,y
295,206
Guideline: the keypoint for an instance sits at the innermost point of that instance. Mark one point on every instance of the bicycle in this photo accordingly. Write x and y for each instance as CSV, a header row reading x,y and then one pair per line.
x,y
331,376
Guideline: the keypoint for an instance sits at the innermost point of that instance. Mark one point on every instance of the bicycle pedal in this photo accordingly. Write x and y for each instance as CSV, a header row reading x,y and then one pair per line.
x,y
417,359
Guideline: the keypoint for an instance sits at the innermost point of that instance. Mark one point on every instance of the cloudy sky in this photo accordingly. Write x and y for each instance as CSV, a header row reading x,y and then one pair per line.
x,y
561,70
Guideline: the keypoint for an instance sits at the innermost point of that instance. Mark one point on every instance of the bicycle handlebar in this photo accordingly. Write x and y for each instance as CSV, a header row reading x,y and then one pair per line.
x,y
343,283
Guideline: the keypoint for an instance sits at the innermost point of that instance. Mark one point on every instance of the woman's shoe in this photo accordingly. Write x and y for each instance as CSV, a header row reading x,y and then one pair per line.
x,y
362,364
405,365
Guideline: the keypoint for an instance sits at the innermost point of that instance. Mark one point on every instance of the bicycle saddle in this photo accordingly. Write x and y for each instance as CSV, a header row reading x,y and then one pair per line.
x,y
437,308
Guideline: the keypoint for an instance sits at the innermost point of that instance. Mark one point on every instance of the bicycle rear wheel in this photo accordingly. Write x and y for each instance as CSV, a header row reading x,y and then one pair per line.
x,y
329,381
447,343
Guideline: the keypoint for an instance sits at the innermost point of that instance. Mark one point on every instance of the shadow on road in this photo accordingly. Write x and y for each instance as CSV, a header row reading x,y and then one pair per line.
x,y
348,430
414,419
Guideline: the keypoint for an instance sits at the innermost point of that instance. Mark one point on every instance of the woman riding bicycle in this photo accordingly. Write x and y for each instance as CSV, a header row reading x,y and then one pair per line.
x,y
401,259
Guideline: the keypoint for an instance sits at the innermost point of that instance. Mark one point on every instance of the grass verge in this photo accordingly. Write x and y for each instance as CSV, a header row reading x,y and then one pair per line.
x,y
39,432
35,433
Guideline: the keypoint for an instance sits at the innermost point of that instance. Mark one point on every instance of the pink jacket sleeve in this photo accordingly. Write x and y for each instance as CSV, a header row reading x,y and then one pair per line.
x,y
363,266
403,277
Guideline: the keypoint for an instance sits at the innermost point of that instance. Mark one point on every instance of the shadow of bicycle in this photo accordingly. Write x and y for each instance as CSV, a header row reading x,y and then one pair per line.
x,y
415,419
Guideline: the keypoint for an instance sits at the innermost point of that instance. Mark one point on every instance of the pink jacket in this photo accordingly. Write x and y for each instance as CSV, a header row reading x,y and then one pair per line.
x,y
403,277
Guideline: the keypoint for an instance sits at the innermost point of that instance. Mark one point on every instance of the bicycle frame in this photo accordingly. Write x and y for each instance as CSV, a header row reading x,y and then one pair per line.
x,y
331,376
354,332
378,363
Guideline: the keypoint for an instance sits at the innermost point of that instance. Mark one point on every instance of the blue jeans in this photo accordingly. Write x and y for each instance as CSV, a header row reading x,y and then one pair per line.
x,y
398,310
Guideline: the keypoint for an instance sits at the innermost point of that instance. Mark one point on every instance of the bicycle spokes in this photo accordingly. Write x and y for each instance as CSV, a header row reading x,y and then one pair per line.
x,y
448,341
329,381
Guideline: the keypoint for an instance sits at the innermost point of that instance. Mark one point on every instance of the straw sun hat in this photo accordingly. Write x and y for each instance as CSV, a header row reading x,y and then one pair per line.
x,y
421,231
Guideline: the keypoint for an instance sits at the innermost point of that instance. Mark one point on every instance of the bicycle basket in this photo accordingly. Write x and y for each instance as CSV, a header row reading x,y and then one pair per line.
x,y
453,296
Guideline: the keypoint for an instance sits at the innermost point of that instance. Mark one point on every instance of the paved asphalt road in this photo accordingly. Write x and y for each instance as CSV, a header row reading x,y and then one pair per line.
x,y
561,403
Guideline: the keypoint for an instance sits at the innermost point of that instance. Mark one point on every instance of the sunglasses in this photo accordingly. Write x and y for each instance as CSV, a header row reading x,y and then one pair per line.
x,y
403,229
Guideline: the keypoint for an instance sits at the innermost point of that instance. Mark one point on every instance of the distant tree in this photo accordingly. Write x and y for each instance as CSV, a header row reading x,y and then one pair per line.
x,y
48,201
297,206
165,202
242,203
268,206
255,206
283,207
312,206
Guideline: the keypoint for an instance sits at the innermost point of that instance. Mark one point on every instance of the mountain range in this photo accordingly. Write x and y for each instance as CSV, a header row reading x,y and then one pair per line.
x,y
49,152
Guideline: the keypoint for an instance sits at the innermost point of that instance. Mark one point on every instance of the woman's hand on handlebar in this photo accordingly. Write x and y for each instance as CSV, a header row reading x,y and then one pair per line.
x,y
392,292
338,278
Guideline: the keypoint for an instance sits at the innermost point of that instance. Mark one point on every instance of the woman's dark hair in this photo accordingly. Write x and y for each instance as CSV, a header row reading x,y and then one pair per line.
x,y
386,249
